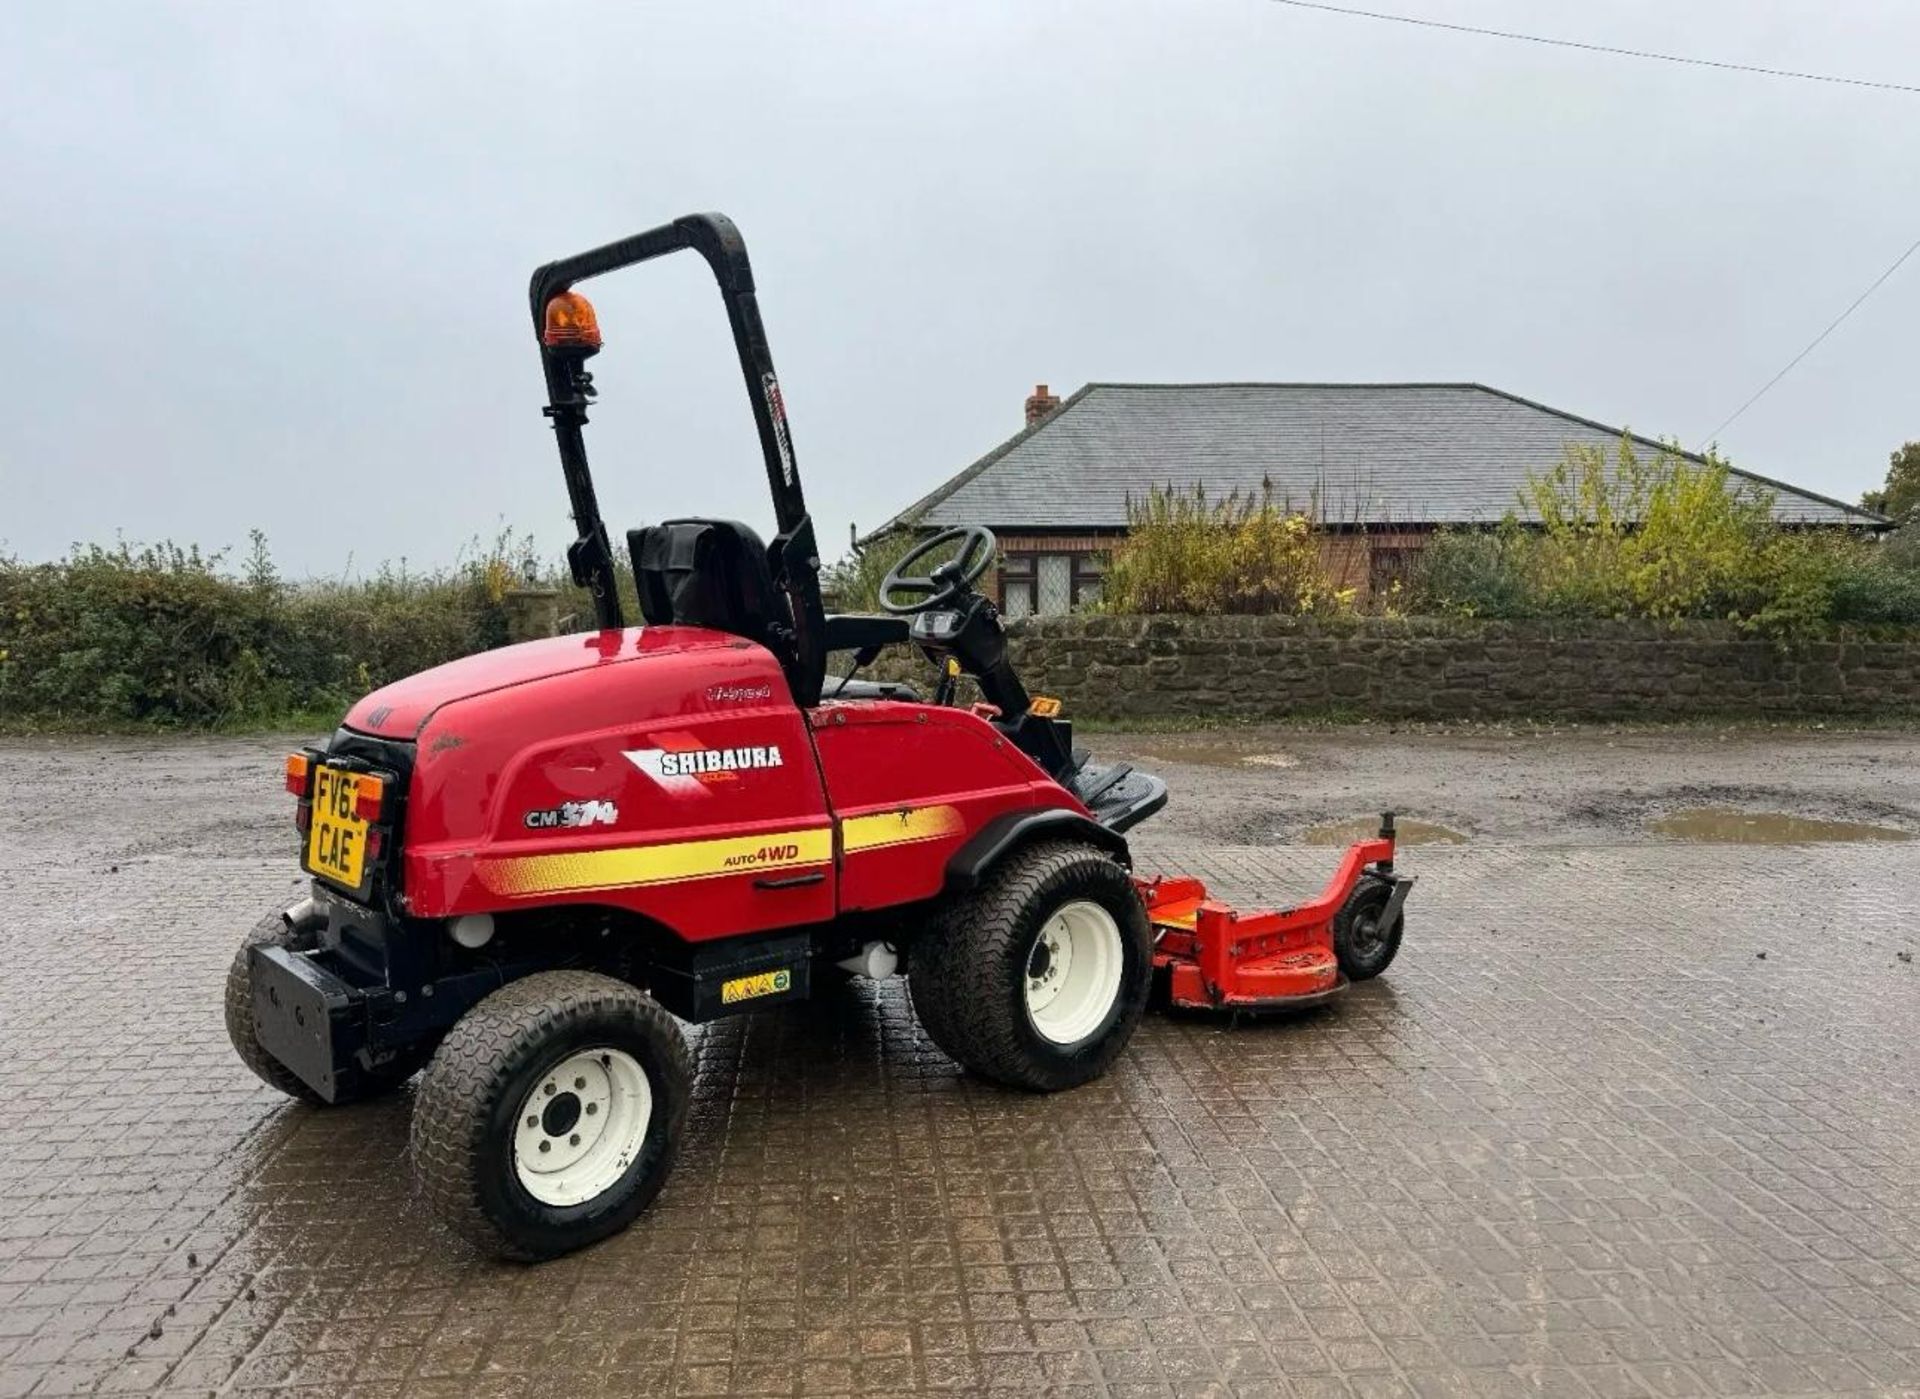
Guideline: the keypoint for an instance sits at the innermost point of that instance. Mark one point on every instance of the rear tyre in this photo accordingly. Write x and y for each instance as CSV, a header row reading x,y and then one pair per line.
x,y
351,1086
1363,947
551,1114
1037,978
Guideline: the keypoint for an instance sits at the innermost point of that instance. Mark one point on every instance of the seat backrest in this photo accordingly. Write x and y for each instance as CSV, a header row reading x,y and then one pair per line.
x,y
706,573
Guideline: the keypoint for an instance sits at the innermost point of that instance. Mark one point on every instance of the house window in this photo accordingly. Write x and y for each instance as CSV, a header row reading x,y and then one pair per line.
x,y
1048,585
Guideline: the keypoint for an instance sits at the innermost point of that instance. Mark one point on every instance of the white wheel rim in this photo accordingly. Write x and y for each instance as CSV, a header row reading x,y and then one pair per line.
x,y
1072,975
582,1126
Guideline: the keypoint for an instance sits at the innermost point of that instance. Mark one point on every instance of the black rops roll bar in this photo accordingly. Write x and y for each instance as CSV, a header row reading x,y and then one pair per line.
x,y
793,557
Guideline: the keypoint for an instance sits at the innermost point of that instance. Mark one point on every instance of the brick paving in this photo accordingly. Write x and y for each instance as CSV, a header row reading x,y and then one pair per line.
x,y
1582,1139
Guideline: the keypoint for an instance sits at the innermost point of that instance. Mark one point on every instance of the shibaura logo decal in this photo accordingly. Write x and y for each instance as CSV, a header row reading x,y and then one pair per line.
x,y
707,760
738,694
568,814
682,763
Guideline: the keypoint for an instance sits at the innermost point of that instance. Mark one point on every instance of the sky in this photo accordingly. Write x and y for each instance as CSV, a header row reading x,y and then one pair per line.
x,y
267,264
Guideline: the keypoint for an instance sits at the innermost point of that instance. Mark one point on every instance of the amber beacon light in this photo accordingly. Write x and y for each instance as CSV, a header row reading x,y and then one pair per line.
x,y
571,323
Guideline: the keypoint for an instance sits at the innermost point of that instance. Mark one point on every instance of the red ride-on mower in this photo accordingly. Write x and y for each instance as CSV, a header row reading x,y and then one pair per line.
x,y
527,863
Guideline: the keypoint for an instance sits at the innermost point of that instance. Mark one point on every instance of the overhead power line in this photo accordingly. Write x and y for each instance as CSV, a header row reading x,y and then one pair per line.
x,y
1611,49
1839,320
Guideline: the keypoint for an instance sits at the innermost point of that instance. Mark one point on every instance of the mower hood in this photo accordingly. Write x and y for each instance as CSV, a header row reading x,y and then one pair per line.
x,y
401,710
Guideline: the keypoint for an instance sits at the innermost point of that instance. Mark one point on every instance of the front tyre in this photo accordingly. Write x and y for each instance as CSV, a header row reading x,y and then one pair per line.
x,y
551,1114
1037,978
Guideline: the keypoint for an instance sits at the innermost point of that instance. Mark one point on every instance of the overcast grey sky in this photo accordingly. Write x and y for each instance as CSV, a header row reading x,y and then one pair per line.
x,y
266,264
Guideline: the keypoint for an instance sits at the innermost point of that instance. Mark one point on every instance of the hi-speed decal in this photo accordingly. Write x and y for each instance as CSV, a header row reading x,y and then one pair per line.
x,y
683,765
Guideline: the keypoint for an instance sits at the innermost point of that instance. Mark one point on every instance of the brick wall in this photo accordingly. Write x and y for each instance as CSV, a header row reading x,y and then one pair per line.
x,y
1273,667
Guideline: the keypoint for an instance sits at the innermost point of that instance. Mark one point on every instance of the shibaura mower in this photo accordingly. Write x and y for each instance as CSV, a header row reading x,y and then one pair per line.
x,y
526,864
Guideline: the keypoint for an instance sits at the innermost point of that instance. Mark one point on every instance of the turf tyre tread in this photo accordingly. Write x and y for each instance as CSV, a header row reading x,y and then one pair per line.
x,y
964,977
500,1036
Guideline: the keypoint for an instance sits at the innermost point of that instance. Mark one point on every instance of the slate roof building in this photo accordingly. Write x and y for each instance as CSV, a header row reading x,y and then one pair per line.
x,y
1381,466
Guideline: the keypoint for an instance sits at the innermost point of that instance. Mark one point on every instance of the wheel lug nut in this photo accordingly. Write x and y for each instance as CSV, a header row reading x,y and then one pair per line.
x,y
550,1090
546,1146
579,1083
533,1122
592,1108
574,1140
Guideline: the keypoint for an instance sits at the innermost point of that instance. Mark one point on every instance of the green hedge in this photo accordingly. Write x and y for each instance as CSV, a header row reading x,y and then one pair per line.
x,y
1664,538
161,635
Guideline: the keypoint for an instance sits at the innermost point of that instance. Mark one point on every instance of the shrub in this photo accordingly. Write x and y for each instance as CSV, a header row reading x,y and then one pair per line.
x,y
1243,554
1663,538
159,634
1473,573
1877,588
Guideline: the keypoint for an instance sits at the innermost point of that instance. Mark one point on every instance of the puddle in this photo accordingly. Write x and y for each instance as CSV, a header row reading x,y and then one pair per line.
x,y
1367,827
1223,750
1723,825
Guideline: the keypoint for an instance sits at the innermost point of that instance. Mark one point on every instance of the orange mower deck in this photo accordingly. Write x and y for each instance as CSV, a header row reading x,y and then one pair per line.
x,y
1216,957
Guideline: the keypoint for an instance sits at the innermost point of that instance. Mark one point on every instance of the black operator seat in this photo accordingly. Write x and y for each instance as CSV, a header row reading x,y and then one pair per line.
x,y
714,573
707,573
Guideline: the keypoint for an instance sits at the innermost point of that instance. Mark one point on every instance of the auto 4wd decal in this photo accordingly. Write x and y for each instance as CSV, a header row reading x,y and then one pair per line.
x,y
526,876
572,814
684,765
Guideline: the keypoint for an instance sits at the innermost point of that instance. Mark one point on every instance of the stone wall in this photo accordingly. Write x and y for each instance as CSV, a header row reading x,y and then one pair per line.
x,y
1273,667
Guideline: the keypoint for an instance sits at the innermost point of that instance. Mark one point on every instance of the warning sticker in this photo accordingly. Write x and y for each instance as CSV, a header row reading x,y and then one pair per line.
x,y
745,988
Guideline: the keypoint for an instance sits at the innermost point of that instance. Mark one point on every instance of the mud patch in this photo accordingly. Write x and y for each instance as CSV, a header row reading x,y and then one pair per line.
x,y
1724,825
1367,827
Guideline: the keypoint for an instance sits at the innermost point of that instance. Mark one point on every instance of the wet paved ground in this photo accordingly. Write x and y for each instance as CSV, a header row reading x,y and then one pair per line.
x,y
1584,1138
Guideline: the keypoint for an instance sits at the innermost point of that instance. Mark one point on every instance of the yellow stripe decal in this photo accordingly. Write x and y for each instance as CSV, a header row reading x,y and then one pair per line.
x,y
631,865
903,826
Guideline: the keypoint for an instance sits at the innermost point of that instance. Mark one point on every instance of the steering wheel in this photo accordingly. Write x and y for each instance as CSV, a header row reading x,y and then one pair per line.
x,y
947,581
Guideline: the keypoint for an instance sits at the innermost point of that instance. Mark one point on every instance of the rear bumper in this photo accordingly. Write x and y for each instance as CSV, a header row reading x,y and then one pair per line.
x,y
306,1017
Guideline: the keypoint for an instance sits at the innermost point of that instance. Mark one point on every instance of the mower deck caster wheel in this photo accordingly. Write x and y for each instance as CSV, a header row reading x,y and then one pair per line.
x,y
551,1114
1038,977
1364,948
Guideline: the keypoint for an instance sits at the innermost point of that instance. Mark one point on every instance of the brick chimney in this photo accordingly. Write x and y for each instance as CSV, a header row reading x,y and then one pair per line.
x,y
1041,404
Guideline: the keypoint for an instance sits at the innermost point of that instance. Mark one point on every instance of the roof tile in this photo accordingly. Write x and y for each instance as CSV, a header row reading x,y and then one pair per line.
x,y
1360,453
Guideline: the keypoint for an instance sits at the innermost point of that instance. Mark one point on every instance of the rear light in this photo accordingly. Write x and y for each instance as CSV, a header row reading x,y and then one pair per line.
x,y
299,769
376,842
303,818
369,795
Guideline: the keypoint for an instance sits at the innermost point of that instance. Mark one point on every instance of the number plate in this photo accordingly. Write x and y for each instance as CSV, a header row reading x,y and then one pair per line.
x,y
337,837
